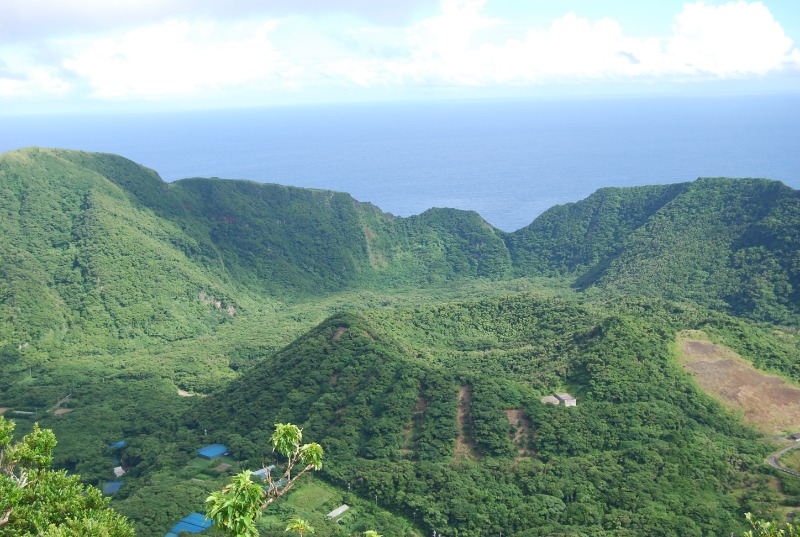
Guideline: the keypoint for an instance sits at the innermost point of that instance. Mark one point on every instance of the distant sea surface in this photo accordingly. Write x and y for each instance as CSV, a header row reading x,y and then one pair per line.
x,y
509,161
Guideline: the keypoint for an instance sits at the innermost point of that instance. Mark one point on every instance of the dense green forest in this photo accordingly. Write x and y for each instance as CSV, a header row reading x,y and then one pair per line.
x,y
415,350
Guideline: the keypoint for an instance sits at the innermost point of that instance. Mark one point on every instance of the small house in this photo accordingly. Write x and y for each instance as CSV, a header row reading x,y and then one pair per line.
x,y
795,437
550,399
212,451
337,512
567,399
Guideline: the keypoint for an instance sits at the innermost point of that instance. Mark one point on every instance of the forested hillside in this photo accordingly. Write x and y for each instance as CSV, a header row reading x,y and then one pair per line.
x,y
437,410
83,233
731,244
415,350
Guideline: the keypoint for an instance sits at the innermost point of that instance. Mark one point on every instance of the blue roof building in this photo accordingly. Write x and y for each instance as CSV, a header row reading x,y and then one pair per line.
x,y
193,523
262,474
212,451
198,519
277,486
111,487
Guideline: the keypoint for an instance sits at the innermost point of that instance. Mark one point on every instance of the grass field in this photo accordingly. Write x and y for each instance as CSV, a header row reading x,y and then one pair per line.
x,y
312,500
769,402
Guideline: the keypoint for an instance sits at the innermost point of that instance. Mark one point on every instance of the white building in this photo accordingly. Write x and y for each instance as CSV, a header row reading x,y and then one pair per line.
x,y
338,511
567,399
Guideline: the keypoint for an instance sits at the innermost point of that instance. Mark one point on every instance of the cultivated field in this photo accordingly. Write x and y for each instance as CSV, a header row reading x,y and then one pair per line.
x,y
767,401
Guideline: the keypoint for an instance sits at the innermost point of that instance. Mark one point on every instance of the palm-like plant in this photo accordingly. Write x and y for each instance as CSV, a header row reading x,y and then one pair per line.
x,y
300,526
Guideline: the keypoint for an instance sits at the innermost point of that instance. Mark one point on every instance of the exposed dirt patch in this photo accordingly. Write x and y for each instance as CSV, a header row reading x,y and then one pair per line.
x,y
769,402
465,447
61,411
339,333
4,409
222,467
517,418
421,405
184,393
59,403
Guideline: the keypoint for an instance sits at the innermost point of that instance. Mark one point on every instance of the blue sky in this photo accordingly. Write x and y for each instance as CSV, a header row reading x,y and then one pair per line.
x,y
83,55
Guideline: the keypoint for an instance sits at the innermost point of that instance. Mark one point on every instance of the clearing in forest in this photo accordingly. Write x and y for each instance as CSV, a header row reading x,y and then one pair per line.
x,y
412,431
518,419
4,409
465,447
769,402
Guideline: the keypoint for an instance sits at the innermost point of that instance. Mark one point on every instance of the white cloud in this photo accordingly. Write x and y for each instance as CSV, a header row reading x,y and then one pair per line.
x,y
22,77
730,40
32,83
726,40
177,57
212,58
22,20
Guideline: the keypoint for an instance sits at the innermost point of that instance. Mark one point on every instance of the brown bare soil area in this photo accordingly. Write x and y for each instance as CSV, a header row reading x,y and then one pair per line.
x,y
769,402
517,418
222,467
465,448
4,409
61,411
339,332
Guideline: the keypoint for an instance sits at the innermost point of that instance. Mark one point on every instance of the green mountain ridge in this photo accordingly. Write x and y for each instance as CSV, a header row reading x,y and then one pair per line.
x,y
730,244
415,350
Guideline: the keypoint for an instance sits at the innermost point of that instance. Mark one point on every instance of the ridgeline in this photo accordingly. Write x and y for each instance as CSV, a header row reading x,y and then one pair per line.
x,y
415,350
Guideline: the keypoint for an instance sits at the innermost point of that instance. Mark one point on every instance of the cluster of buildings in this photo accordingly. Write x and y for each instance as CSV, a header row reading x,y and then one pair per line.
x,y
197,522
112,487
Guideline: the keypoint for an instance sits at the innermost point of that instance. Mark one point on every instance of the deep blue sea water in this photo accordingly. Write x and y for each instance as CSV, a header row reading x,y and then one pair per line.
x,y
509,161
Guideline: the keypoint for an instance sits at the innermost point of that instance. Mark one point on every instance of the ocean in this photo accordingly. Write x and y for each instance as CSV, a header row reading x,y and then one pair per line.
x,y
509,161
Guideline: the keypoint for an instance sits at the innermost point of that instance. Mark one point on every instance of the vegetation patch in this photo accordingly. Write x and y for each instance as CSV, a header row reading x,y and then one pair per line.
x,y
522,429
769,402
465,445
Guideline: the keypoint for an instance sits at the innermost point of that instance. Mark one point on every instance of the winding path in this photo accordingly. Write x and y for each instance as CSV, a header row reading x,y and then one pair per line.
x,y
772,460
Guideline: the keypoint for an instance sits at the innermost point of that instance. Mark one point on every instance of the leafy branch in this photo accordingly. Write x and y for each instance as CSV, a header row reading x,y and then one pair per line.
x,y
239,504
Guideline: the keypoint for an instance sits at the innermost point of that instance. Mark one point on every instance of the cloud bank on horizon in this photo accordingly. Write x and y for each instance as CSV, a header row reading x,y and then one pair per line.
x,y
253,52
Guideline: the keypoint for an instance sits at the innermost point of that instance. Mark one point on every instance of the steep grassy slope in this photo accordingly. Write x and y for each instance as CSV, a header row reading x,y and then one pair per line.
x,y
719,245
83,235
79,260
577,237
730,244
